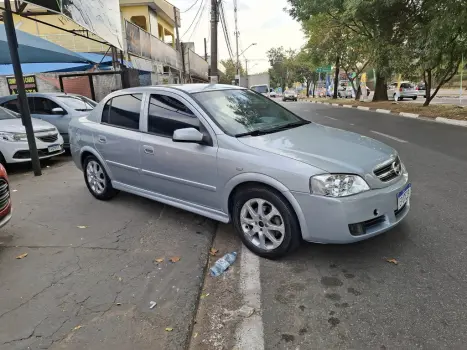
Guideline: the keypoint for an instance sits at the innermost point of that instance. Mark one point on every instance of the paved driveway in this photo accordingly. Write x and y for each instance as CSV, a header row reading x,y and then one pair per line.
x,y
90,287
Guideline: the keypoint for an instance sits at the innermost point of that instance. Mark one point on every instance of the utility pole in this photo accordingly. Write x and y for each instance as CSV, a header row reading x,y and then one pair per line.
x,y
23,100
214,22
205,50
237,34
177,42
246,73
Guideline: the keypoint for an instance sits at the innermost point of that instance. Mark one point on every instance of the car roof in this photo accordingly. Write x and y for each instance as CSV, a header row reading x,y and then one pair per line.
x,y
188,88
39,94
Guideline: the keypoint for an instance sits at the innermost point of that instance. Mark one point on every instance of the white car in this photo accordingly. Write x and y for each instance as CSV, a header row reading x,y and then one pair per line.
x,y
406,90
14,146
272,93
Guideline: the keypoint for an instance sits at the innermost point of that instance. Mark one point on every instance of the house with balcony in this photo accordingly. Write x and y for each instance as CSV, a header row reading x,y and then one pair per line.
x,y
149,39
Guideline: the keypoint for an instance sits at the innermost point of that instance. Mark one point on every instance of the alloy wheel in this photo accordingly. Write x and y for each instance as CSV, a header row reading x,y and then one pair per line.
x,y
96,177
262,224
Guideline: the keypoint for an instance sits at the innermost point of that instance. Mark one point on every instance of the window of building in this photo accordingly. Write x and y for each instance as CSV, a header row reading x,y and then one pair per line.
x,y
167,114
123,111
140,21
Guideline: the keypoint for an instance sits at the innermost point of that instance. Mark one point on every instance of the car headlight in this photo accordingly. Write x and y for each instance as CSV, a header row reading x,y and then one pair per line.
x,y
13,136
337,185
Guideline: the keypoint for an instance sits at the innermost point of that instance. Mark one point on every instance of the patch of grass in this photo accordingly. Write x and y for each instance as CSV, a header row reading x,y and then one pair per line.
x,y
431,111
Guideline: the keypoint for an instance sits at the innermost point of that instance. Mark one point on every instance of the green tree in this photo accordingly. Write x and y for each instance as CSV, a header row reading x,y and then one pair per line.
x,y
303,66
230,71
385,25
281,73
440,41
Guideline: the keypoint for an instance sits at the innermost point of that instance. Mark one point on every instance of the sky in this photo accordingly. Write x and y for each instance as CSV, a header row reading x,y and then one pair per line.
x,y
259,21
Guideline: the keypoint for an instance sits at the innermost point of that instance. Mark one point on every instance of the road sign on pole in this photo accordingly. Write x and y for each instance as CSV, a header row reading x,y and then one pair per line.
x,y
326,69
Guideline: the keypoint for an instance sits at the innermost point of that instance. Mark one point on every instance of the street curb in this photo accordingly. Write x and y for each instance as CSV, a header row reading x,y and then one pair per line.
x,y
441,120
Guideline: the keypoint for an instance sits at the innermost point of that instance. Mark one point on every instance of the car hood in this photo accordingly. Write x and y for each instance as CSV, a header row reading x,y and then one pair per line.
x,y
16,125
332,150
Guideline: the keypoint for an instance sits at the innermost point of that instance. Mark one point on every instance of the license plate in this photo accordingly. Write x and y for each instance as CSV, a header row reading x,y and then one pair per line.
x,y
54,148
404,196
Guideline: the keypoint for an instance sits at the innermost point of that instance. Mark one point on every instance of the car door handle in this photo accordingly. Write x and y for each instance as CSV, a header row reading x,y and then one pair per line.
x,y
148,149
102,139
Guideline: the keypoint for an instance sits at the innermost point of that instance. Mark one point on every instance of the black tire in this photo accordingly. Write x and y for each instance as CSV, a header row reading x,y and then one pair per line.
x,y
109,192
414,98
292,236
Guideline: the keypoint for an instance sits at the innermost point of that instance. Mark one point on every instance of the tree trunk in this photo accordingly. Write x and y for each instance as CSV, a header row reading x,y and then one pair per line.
x,y
427,78
308,83
381,92
358,94
314,88
336,78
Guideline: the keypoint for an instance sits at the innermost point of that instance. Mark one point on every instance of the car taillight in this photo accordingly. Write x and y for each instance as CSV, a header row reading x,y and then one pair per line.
x,y
400,89
416,87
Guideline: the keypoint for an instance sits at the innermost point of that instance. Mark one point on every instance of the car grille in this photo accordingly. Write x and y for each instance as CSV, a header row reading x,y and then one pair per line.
x,y
4,194
389,171
48,138
25,154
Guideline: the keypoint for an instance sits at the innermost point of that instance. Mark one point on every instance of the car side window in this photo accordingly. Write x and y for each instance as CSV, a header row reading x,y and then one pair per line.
x,y
167,114
42,105
12,105
123,111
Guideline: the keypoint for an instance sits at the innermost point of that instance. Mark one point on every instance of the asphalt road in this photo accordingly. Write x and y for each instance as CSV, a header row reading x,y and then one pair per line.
x,y
349,296
330,297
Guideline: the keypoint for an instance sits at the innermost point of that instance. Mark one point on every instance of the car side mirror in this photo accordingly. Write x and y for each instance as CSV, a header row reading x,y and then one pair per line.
x,y
58,110
187,135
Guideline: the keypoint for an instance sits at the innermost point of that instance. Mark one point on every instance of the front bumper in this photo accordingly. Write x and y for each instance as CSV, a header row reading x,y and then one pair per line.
x,y
328,219
18,152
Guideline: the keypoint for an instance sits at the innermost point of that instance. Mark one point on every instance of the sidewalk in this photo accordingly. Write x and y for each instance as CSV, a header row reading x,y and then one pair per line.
x,y
91,287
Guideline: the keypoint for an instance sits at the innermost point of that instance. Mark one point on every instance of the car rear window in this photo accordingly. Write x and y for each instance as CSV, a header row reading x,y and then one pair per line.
x,y
262,89
406,86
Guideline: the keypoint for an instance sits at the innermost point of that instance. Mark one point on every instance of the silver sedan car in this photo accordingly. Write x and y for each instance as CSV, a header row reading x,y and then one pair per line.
x,y
233,155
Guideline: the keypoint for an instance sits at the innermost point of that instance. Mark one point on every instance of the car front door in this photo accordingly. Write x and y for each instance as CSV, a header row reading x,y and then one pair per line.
x,y
42,108
183,171
117,138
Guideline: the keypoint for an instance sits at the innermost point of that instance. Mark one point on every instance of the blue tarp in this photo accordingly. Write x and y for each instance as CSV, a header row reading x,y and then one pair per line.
x,y
30,68
33,49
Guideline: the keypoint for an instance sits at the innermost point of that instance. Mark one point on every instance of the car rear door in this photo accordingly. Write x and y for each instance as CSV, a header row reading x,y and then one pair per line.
x,y
183,171
117,138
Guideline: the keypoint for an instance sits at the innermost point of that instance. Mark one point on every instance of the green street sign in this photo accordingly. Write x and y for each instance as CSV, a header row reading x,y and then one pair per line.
x,y
326,69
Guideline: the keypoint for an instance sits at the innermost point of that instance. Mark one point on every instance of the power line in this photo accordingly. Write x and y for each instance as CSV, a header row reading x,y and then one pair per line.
x,y
188,9
199,19
194,19
226,33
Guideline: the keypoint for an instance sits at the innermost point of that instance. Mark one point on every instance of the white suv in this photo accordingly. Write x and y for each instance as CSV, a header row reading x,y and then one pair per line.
x,y
406,90
14,146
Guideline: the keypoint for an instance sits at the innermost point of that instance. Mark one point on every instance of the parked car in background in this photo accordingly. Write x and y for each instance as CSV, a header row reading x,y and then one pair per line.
x,y
421,89
406,90
233,155
272,93
14,146
5,201
290,95
56,108
261,89
345,92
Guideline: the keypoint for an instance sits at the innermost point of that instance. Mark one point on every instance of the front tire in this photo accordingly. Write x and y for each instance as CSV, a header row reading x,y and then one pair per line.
x,y
265,222
97,180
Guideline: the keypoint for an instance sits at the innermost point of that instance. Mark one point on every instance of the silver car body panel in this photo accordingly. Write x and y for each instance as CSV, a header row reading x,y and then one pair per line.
x,y
201,178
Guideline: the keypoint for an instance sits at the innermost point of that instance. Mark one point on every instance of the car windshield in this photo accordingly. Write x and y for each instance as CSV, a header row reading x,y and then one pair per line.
x,y
7,114
262,89
241,112
78,103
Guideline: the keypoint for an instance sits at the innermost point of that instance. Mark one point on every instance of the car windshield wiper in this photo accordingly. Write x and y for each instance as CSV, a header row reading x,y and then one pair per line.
x,y
275,129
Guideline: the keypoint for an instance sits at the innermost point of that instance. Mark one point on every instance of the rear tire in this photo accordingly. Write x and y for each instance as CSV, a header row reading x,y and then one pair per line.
x,y
2,160
414,98
265,222
97,180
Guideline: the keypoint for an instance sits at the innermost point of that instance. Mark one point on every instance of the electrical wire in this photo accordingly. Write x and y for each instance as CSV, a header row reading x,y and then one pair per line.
x,y
189,8
225,30
194,19
199,19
